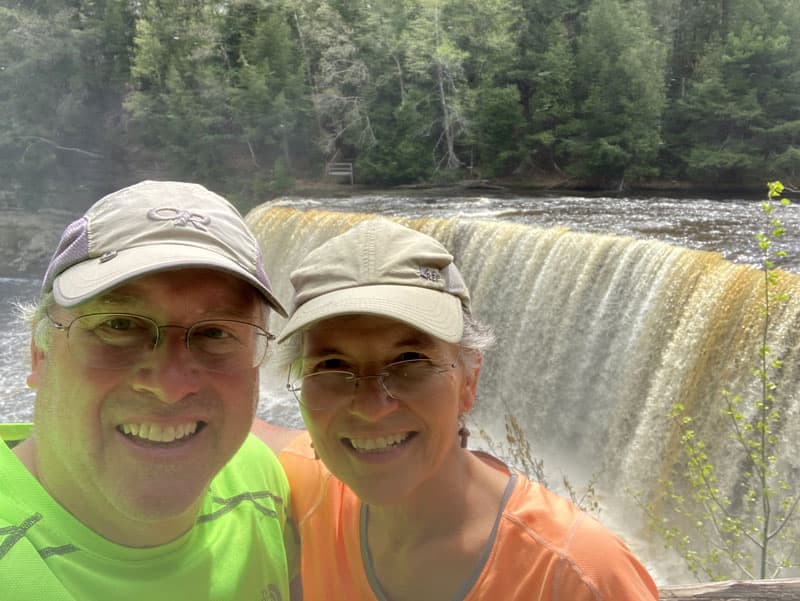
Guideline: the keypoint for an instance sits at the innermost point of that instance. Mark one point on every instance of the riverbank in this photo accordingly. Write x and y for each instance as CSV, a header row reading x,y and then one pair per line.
x,y
337,187
666,186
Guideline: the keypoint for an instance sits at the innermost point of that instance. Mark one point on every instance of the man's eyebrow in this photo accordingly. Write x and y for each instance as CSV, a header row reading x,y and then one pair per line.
x,y
114,297
133,300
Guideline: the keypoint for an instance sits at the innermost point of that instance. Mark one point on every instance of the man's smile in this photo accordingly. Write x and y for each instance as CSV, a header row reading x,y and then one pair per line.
x,y
159,433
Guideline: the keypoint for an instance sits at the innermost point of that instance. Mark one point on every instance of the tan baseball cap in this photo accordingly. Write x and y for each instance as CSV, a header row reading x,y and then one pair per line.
x,y
149,227
380,267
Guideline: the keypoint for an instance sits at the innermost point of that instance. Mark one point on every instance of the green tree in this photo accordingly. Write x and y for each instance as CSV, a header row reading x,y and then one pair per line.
x,y
552,104
180,105
496,126
337,76
739,115
403,154
218,92
436,66
64,67
269,101
483,30
398,147
543,69
621,95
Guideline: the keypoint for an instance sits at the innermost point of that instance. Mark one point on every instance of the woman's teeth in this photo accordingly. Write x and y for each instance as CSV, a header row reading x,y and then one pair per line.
x,y
381,443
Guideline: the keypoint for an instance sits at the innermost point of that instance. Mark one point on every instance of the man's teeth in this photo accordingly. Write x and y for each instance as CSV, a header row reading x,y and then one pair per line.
x,y
159,433
378,444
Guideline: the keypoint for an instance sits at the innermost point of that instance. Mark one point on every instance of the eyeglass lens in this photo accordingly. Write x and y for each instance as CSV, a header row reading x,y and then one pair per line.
x,y
121,340
404,380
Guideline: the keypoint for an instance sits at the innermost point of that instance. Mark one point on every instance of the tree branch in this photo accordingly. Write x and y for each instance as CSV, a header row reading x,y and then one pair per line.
x,y
58,146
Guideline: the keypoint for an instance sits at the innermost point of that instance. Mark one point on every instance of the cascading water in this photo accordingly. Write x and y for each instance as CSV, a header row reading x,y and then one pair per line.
x,y
598,337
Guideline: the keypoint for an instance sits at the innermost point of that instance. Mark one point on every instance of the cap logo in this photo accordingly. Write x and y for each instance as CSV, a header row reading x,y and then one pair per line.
x,y
430,274
179,217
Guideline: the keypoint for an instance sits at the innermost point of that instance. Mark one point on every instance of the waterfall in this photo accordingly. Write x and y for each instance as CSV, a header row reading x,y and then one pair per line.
x,y
598,337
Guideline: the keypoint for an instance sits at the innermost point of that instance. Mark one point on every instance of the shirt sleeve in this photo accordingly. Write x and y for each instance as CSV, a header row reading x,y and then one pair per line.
x,y
600,567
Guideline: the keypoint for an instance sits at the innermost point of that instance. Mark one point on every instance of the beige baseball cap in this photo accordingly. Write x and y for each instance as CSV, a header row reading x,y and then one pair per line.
x,y
149,227
382,268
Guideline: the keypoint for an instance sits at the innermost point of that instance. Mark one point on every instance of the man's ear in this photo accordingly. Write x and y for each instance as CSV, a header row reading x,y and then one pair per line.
x,y
37,365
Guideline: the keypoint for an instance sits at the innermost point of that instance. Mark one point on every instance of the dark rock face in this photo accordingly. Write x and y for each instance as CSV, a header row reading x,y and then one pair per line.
x,y
27,240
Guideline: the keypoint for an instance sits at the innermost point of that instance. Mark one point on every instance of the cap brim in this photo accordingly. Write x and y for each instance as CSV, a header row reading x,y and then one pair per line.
x,y
431,311
85,280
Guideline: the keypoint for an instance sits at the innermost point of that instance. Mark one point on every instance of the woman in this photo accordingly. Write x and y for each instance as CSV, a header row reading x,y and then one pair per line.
x,y
389,503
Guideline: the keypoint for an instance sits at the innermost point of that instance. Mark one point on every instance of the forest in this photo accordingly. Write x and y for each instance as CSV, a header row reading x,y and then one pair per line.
x,y
252,96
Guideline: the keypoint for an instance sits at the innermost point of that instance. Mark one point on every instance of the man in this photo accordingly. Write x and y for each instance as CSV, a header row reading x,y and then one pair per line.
x,y
139,480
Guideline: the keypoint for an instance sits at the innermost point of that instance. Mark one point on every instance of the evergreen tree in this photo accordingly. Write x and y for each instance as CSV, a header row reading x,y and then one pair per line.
x,y
64,68
484,31
217,92
268,96
739,117
620,94
400,113
552,104
496,127
180,105
436,66
337,76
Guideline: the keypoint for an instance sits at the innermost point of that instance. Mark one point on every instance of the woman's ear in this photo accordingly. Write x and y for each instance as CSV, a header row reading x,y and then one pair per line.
x,y
469,387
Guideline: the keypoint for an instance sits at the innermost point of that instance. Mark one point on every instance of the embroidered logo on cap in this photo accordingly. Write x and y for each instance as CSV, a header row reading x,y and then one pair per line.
x,y
179,217
430,274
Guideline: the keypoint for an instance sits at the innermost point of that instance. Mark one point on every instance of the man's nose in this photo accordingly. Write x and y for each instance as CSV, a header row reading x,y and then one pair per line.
x,y
169,372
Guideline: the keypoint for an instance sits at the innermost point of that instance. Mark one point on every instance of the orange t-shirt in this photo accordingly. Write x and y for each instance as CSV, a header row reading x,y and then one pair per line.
x,y
543,548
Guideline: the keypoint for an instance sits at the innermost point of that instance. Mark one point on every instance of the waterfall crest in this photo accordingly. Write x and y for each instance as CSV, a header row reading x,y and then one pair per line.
x,y
598,337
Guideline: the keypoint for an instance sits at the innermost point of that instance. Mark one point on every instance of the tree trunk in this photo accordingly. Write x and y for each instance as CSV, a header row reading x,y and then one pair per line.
x,y
451,160
782,589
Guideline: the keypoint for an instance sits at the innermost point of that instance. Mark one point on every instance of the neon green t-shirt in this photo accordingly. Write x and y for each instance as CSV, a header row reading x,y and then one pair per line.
x,y
240,549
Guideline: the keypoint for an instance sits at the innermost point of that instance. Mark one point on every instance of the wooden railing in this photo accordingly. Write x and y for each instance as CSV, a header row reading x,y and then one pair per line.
x,y
780,589
340,169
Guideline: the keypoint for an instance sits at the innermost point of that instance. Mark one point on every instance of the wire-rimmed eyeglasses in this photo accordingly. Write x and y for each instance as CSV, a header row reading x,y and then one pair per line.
x,y
123,340
327,389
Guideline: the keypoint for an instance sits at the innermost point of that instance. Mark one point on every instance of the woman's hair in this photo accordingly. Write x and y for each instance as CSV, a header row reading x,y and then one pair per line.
x,y
477,338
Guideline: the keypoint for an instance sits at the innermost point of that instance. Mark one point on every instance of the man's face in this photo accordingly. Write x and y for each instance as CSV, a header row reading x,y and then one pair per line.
x,y
95,427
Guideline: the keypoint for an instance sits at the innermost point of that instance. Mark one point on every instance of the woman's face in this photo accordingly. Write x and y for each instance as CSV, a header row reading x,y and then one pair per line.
x,y
386,449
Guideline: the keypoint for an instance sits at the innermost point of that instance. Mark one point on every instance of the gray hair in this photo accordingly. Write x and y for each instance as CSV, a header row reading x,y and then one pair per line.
x,y
34,315
477,338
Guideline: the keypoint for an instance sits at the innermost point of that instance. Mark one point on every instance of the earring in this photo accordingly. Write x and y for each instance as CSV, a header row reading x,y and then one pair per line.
x,y
463,431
